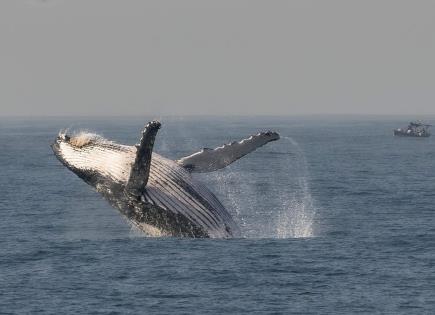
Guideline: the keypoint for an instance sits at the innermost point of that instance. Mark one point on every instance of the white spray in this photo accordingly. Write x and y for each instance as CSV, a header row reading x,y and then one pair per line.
x,y
293,211
295,218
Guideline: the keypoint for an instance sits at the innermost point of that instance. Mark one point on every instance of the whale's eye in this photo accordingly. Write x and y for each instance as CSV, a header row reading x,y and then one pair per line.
x,y
62,136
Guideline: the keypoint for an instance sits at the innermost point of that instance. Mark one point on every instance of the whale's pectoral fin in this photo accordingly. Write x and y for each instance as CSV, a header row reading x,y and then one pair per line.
x,y
141,167
208,160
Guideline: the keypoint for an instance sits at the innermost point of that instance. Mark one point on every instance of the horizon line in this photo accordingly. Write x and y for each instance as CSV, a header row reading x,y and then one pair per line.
x,y
209,115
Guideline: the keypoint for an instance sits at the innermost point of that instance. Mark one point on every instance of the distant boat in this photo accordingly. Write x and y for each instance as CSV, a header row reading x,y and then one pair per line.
x,y
414,129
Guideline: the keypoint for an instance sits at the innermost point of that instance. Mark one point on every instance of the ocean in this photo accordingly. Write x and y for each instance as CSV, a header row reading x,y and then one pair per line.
x,y
337,217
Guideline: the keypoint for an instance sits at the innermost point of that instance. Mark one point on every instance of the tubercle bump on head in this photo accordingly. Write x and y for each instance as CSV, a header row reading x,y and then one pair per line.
x,y
79,139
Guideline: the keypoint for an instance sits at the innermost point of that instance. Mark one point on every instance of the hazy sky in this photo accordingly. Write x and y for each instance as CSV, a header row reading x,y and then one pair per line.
x,y
104,57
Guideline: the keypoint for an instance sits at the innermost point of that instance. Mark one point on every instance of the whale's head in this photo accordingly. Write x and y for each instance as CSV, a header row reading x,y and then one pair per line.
x,y
94,158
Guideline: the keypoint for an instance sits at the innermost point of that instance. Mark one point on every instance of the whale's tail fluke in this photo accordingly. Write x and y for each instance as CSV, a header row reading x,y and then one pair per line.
x,y
141,167
209,160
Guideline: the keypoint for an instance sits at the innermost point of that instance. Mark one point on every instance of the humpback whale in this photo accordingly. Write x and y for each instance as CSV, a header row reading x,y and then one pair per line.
x,y
158,195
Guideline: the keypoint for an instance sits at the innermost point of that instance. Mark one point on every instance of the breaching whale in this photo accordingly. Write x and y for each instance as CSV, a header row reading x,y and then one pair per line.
x,y
156,194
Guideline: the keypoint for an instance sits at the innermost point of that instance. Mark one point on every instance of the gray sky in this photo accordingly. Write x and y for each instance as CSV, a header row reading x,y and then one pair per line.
x,y
104,57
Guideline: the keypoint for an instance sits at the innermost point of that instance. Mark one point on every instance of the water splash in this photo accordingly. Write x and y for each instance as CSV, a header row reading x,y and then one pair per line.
x,y
232,188
285,210
295,219
135,232
296,216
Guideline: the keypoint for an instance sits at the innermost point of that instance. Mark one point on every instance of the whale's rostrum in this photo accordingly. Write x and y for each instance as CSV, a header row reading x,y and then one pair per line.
x,y
156,194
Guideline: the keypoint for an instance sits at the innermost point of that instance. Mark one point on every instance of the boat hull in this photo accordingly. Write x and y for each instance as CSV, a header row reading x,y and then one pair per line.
x,y
401,133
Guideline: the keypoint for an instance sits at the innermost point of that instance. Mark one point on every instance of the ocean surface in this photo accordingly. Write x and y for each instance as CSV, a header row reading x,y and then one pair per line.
x,y
337,217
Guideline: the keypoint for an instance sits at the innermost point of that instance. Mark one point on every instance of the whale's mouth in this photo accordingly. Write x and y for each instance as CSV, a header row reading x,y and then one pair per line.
x,y
55,146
